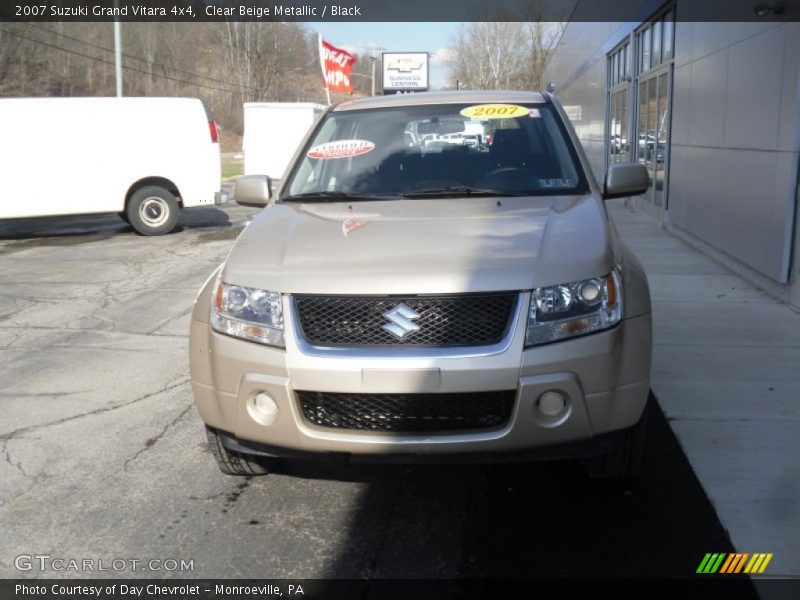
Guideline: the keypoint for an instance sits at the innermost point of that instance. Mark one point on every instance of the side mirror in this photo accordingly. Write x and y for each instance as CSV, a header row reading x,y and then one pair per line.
x,y
625,179
252,190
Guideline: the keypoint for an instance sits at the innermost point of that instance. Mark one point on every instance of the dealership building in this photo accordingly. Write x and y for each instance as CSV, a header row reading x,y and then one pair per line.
x,y
712,109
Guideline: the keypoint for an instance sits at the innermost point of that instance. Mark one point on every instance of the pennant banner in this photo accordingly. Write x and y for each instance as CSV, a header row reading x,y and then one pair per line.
x,y
336,64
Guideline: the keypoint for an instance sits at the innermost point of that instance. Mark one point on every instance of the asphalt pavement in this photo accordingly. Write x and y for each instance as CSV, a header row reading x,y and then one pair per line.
x,y
104,454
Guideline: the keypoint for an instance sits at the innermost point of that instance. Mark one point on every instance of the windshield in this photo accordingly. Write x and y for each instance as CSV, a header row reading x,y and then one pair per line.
x,y
437,150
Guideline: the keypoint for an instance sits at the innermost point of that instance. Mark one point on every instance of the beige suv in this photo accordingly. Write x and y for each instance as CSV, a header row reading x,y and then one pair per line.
x,y
404,296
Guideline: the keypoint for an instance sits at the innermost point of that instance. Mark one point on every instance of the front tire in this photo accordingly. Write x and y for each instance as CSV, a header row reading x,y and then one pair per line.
x,y
152,210
231,462
624,462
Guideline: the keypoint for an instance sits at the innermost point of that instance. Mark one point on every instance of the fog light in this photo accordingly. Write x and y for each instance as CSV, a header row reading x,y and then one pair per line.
x,y
263,408
551,404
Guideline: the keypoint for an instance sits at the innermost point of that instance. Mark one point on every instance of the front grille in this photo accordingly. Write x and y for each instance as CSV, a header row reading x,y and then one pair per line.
x,y
407,413
464,320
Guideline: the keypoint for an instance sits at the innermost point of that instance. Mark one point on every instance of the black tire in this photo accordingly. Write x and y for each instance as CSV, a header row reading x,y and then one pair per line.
x,y
231,462
152,210
124,216
624,462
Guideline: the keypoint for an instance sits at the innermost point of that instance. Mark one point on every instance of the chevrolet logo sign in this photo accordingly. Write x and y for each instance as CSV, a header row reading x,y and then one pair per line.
x,y
401,317
405,65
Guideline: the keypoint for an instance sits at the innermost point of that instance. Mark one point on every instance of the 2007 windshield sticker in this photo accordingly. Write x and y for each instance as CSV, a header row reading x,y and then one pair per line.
x,y
494,111
341,149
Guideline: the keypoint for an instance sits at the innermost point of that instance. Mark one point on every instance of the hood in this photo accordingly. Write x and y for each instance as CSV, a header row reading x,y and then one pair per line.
x,y
422,246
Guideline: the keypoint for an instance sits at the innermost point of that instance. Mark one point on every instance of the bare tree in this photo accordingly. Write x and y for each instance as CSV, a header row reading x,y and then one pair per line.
x,y
487,54
224,63
542,38
503,55
258,55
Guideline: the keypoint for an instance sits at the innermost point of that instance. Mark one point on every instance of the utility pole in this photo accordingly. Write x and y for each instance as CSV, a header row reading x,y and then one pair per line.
x,y
374,60
118,52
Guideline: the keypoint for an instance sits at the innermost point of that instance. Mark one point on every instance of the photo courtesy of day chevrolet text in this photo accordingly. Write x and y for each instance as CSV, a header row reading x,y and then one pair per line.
x,y
157,591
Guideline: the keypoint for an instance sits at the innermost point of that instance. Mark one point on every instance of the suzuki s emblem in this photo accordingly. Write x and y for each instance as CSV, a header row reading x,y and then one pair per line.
x,y
401,317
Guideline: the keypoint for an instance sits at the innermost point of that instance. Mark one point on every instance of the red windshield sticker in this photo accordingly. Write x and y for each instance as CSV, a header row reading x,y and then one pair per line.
x,y
341,149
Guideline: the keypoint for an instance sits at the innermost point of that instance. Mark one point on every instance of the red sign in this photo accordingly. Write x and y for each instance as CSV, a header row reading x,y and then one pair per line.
x,y
336,64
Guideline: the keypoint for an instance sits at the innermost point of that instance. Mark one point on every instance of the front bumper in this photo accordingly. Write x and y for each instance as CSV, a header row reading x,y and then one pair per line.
x,y
599,444
605,377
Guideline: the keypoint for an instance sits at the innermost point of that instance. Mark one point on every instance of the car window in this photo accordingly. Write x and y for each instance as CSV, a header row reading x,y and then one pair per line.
x,y
520,149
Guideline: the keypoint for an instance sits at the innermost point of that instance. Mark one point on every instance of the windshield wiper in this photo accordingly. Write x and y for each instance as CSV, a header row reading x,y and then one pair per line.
x,y
452,191
333,196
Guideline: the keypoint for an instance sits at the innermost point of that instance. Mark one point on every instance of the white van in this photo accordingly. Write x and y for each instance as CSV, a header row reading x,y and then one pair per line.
x,y
143,158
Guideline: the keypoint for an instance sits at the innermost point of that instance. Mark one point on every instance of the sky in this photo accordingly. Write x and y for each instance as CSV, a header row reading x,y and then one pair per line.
x,y
398,37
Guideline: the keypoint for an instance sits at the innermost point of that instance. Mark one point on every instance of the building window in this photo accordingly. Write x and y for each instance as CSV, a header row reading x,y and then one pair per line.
x,y
655,41
618,78
653,99
669,33
639,90
644,50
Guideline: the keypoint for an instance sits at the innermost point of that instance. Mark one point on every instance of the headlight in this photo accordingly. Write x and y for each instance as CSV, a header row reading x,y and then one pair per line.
x,y
570,309
248,313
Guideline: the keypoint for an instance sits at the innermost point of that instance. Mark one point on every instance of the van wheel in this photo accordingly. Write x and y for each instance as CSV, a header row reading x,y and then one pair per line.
x,y
152,210
624,462
231,462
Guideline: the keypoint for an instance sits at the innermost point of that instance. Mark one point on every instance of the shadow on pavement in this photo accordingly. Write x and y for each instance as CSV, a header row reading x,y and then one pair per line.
x,y
528,520
90,228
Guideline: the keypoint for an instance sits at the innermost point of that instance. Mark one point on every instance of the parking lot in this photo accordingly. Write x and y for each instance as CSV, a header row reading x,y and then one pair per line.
x,y
104,455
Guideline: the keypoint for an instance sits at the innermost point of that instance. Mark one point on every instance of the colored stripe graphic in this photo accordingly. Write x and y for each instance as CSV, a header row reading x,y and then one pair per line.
x,y
717,563
752,562
711,562
737,558
727,564
758,563
703,563
723,562
741,562
765,563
